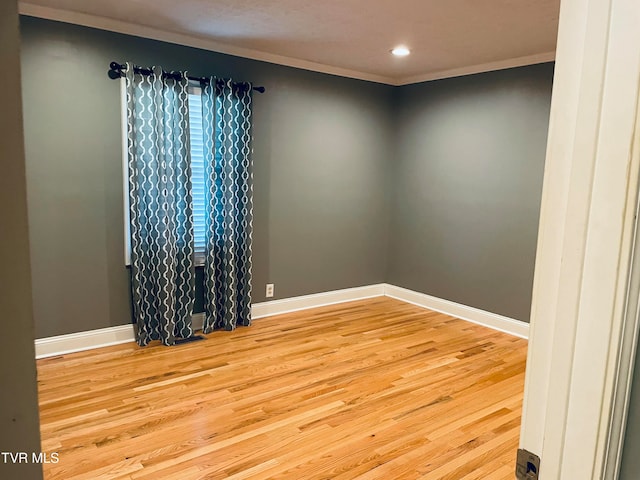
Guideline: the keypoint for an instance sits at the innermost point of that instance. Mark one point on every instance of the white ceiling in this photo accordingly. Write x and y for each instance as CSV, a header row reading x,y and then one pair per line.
x,y
344,37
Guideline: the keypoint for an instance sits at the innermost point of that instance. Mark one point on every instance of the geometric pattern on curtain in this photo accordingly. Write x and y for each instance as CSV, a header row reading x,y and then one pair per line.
x,y
226,117
161,218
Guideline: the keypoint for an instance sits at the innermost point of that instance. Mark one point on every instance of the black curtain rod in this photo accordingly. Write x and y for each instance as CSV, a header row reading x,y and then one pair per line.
x,y
117,70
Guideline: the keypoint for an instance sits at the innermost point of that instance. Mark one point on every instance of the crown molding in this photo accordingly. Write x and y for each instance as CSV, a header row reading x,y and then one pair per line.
x,y
118,26
480,68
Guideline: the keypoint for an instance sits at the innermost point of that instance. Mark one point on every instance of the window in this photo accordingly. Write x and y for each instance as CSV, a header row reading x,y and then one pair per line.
x,y
197,173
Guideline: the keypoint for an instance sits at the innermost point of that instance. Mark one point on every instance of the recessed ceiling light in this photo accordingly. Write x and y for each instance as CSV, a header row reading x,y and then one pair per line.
x,y
401,51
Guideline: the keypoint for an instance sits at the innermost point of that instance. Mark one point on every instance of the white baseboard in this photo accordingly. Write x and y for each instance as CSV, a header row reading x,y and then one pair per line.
x,y
464,312
103,337
76,342
294,304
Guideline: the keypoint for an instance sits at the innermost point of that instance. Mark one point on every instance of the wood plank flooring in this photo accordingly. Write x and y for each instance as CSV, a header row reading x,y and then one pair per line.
x,y
374,389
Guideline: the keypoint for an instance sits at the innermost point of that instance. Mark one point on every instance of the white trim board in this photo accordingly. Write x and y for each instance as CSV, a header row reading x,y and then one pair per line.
x,y
480,68
577,352
76,342
104,337
126,28
294,304
463,312
118,26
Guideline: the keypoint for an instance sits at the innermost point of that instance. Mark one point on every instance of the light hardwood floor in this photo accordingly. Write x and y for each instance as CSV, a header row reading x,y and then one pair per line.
x,y
374,389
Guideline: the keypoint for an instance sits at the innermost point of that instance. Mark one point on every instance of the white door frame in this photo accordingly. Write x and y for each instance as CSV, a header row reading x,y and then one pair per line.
x,y
575,398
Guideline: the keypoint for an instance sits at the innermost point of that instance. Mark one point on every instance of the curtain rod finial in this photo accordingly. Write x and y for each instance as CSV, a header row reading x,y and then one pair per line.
x,y
115,70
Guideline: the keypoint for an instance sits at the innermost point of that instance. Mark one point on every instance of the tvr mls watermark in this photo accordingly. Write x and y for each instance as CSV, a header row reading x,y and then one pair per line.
x,y
29,457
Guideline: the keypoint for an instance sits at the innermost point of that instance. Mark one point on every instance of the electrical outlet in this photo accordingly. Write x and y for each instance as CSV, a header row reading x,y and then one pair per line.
x,y
269,292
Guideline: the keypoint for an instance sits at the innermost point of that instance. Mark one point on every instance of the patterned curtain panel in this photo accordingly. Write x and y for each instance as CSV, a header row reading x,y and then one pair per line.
x,y
162,267
229,204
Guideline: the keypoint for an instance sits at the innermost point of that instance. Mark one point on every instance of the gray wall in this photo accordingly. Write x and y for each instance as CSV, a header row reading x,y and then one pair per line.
x,y
468,180
456,164
434,187
322,146
19,427
630,458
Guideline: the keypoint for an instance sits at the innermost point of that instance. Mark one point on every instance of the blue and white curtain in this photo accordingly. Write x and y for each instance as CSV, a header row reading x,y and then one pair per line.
x,y
226,116
161,218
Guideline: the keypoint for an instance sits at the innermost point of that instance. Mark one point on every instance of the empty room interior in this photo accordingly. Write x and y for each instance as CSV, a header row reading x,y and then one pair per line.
x,y
340,289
